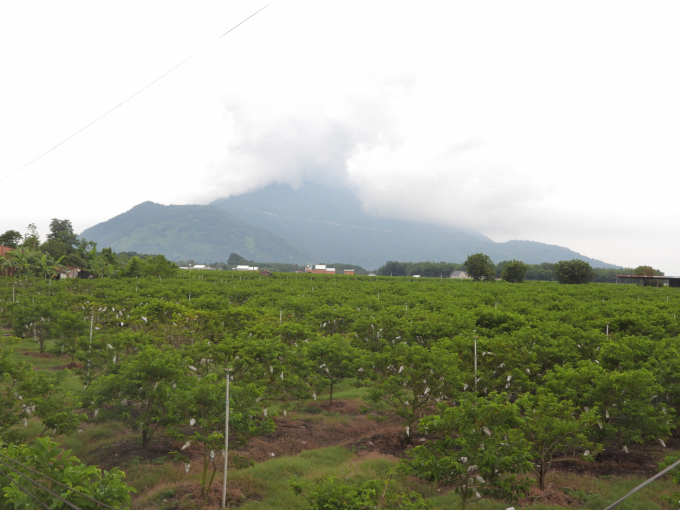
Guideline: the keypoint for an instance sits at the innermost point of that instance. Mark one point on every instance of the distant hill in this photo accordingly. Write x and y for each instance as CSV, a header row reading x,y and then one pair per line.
x,y
330,222
203,233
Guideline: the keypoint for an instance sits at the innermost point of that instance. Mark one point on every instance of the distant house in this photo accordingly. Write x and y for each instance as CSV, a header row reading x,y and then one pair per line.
x,y
198,266
68,272
245,268
266,273
4,250
460,275
320,269
348,271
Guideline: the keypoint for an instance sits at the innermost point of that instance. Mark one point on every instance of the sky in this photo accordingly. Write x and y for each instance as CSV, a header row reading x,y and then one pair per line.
x,y
555,122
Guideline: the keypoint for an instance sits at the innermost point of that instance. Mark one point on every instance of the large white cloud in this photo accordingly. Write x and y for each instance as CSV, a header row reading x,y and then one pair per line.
x,y
534,120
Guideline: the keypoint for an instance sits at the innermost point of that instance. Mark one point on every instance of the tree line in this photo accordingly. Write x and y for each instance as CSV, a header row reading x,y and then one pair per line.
x,y
575,271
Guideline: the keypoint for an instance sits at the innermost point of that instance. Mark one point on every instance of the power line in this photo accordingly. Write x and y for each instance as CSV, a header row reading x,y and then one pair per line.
x,y
643,484
42,475
37,484
126,100
25,491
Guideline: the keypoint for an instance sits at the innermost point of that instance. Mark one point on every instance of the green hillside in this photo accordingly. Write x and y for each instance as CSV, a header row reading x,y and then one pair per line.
x,y
202,233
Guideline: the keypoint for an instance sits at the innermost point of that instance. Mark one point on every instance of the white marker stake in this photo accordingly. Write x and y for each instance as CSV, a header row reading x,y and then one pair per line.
x,y
475,361
226,447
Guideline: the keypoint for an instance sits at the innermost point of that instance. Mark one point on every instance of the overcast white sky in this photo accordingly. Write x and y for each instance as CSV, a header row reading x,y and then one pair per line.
x,y
550,121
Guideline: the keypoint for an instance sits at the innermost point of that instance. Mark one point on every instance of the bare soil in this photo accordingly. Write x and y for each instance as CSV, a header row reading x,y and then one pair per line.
x,y
295,435
122,453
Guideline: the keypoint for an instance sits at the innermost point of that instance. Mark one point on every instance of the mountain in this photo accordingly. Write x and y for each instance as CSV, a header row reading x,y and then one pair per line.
x,y
203,233
330,222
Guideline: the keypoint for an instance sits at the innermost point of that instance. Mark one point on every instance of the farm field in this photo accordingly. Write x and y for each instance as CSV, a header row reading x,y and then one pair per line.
x,y
576,388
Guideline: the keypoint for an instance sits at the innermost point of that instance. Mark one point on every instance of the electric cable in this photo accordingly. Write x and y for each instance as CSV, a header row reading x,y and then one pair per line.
x,y
126,100
37,484
643,484
25,491
55,481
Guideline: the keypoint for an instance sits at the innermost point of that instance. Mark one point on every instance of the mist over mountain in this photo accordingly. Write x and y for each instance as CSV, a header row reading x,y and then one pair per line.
x,y
330,222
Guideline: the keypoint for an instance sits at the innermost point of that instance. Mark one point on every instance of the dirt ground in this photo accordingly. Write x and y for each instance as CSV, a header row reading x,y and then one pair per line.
x,y
293,436
122,453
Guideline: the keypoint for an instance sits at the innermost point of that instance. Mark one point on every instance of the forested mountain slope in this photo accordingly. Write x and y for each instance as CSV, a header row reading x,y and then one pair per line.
x,y
203,233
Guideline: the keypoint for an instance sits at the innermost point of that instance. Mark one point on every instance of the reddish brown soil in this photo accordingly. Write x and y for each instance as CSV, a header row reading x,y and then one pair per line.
x,y
640,461
293,436
393,443
122,453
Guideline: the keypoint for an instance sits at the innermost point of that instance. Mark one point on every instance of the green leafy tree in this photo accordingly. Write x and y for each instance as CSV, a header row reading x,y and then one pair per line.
x,y
629,410
143,390
201,402
68,473
69,328
235,260
31,237
514,271
158,265
109,256
551,425
54,248
573,271
409,379
480,267
647,271
62,230
24,259
133,269
12,375
10,239
47,266
479,450
334,359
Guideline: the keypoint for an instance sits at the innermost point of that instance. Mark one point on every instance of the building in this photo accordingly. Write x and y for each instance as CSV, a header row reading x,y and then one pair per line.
x,y
348,271
320,269
637,279
4,250
266,273
68,272
462,275
245,268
